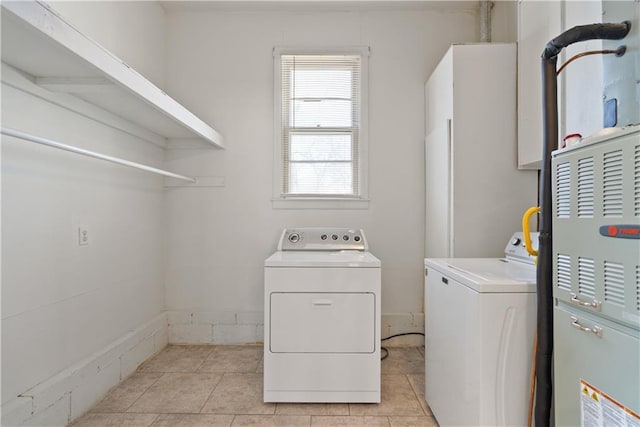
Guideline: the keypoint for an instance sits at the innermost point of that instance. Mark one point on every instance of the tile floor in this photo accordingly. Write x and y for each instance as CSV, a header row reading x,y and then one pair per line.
x,y
188,386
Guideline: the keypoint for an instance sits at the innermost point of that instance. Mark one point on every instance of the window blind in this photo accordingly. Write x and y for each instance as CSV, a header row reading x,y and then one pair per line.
x,y
320,118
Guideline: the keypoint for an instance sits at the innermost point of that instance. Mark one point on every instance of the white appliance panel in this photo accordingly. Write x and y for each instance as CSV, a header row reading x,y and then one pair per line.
x,y
308,279
607,361
322,318
448,347
478,353
315,322
331,373
493,275
596,280
351,259
480,318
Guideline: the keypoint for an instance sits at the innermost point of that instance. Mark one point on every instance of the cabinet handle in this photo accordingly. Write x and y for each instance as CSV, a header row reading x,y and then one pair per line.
x,y
321,302
450,227
595,304
595,329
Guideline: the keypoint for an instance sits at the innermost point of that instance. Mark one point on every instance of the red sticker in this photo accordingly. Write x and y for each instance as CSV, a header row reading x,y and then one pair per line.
x,y
612,230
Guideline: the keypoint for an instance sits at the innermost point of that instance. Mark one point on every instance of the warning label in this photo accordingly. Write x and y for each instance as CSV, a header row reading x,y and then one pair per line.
x,y
598,409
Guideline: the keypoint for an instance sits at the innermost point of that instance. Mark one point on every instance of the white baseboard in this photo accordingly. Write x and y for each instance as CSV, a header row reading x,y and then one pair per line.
x,y
230,327
219,327
67,395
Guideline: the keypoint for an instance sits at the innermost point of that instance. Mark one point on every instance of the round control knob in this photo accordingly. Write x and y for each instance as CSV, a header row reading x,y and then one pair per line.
x,y
323,237
516,241
294,237
357,238
334,237
345,237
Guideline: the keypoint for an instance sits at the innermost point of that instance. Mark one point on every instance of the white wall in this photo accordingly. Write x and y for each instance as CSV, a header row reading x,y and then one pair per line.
x,y
504,19
132,30
62,304
219,62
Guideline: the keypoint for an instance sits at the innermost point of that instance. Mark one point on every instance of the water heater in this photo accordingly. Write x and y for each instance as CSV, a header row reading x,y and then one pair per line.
x,y
621,75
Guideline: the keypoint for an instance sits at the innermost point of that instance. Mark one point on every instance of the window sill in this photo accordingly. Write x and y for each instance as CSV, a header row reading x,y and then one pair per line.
x,y
320,203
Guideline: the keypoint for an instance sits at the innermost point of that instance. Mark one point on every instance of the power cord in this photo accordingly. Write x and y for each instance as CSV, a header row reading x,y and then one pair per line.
x,y
386,350
386,354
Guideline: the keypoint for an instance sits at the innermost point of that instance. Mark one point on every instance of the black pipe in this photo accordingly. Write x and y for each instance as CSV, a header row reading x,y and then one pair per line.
x,y
544,353
586,32
544,273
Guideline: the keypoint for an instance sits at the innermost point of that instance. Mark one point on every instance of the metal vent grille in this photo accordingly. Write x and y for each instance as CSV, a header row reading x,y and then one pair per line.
x,y
586,277
612,184
585,188
636,180
564,272
563,190
614,283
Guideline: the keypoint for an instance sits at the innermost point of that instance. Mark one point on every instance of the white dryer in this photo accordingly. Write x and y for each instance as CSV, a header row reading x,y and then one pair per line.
x,y
322,318
480,321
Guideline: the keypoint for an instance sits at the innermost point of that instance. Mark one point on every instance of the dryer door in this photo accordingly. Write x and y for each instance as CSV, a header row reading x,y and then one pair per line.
x,y
303,322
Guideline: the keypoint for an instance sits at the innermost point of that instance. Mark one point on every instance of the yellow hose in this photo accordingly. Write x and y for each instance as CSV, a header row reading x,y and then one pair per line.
x,y
532,390
527,244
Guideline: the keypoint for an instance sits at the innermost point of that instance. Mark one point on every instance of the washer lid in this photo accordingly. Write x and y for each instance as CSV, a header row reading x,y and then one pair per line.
x,y
322,259
490,275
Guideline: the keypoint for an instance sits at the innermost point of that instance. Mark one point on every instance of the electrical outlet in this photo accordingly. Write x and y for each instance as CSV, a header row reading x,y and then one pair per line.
x,y
83,236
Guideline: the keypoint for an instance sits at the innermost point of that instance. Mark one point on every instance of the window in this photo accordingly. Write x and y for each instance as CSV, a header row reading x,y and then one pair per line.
x,y
320,125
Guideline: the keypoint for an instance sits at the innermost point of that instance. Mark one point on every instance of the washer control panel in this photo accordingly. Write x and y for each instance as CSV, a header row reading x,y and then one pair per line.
x,y
322,239
515,248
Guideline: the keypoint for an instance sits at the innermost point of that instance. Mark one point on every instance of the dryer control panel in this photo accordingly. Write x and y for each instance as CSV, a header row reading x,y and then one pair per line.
x,y
322,239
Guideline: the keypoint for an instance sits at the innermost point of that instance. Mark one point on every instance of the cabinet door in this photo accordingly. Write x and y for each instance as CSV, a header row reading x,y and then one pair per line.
x,y
438,192
538,23
438,92
439,113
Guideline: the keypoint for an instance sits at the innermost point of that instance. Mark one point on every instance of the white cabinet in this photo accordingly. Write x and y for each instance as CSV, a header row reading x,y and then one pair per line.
x,y
475,194
538,22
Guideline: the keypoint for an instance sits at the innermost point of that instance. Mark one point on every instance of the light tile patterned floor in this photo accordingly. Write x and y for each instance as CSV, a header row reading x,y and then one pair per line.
x,y
193,386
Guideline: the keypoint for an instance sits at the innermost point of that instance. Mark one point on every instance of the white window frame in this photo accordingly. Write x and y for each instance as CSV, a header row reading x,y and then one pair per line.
x,y
285,201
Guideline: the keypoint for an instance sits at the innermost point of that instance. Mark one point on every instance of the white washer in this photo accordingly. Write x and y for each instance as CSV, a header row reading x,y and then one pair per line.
x,y
322,318
480,321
